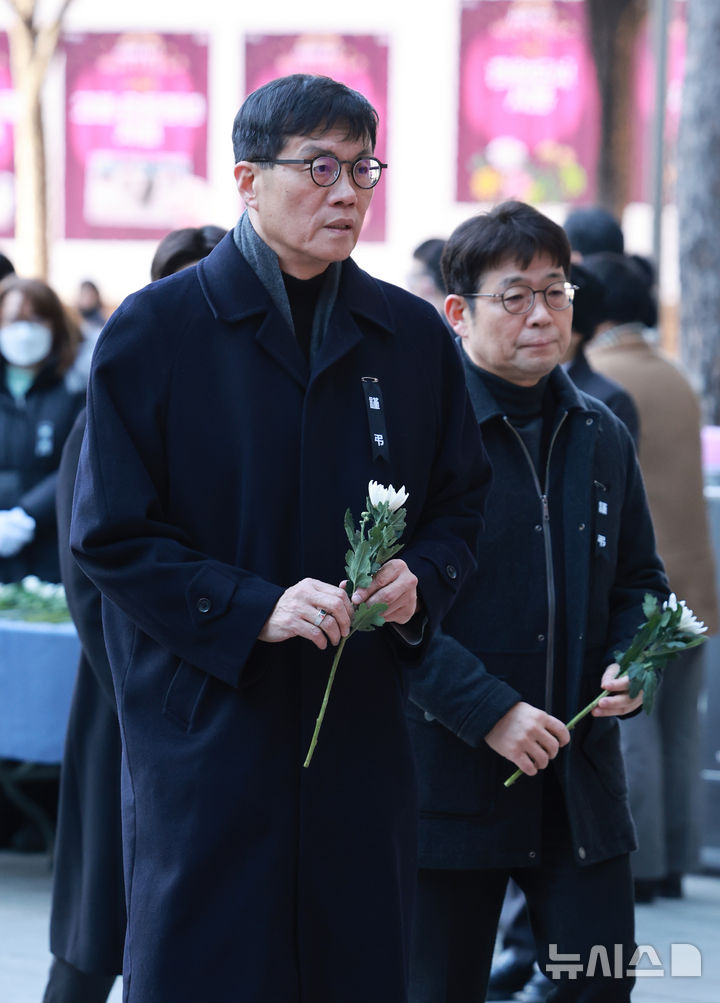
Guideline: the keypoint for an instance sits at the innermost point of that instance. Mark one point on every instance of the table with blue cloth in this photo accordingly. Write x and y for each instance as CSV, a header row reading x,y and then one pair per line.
x,y
38,666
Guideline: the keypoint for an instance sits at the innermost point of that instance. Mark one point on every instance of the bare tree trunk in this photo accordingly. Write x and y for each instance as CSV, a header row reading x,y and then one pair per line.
x,y
31,49
613,30
698,202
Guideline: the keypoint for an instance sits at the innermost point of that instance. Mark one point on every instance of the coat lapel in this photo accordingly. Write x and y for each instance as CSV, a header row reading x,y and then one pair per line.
x,y
245,298
360,298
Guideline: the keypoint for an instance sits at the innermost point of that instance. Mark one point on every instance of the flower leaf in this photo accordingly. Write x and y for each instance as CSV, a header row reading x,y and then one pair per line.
x,y
649,689
359,565
350,531
650,605
368,616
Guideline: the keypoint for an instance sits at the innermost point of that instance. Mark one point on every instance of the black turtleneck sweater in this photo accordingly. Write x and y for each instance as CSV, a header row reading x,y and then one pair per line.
x,y
527,409
303,295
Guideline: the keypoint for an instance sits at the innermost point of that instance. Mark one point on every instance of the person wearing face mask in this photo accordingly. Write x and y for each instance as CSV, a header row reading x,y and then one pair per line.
x,y
37,411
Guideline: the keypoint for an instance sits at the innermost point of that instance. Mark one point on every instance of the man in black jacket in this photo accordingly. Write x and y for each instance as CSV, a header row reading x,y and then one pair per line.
x,y
567,555
513,967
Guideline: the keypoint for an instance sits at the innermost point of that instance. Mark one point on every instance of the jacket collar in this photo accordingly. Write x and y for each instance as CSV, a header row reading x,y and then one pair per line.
x,y
566,394
245,295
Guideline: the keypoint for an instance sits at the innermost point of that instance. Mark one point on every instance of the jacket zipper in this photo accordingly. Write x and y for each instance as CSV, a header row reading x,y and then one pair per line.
x,y
547,542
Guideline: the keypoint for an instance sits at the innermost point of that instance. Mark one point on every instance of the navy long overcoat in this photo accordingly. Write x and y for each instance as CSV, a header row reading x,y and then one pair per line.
x,y
215,473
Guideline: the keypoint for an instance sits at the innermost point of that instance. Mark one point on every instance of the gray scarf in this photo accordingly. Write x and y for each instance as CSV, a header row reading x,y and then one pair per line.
x,y
264,262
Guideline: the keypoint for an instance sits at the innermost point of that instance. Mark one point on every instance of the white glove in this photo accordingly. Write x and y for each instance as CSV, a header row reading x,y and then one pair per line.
x,y
17,529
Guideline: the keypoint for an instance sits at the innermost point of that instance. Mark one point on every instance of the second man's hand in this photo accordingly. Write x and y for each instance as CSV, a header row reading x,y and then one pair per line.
x,y
395,585
528,737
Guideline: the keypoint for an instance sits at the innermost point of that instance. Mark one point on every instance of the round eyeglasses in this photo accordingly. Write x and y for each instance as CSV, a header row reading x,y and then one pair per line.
x,y
325,169
521,299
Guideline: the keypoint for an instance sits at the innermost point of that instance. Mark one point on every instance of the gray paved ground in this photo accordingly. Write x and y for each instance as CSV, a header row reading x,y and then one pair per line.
x,y
694,920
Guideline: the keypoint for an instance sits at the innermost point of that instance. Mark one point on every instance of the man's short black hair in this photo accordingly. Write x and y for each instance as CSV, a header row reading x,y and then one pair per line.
x,y
629,282
512,231
6,266
592,229
183,247
302,104
429,253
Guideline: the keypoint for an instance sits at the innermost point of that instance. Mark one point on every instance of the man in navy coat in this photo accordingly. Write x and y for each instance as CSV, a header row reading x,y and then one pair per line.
x,y
566,557
235,410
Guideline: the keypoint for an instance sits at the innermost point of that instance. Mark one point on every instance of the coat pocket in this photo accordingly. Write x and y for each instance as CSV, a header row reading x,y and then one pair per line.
x,y
184,695
602,752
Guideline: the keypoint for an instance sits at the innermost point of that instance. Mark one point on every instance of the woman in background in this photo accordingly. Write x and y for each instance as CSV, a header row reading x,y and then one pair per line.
x,y
37,410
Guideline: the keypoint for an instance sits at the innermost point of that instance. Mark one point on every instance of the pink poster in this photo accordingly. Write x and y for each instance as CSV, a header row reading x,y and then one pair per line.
x,y
641,183
528,105
7,146
360,61
136,150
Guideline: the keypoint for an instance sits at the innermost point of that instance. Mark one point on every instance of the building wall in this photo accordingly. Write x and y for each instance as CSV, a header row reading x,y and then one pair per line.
x,y
422,98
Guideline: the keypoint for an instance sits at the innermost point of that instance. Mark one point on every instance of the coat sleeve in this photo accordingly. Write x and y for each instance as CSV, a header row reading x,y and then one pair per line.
x,y
454,687
639,569
196,606
39,500
442,551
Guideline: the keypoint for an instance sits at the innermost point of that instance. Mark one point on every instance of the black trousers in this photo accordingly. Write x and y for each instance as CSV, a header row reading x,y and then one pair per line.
x,y
582,919
67,984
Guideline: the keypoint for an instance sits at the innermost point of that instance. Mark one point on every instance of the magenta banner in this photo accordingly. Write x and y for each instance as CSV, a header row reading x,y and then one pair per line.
x,y
641,182
7,145
360,61
136,149
528,106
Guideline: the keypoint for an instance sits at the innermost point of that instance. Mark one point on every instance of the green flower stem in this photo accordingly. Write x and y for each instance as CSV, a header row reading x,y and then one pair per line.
x,y
323,708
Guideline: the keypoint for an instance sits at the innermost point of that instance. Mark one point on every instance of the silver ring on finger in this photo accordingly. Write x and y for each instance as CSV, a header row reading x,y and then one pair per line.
x,y
320,616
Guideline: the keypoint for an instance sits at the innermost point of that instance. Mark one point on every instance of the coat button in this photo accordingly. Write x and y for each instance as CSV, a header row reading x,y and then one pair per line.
x,y
532,854
582,852
588,421
451,572
541,637
581,527
428,716
538,528
203,605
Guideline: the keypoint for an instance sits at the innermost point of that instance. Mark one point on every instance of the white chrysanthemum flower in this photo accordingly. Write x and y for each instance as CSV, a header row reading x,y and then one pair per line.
x,y
378,493
31,583
397,498
671,603
689,623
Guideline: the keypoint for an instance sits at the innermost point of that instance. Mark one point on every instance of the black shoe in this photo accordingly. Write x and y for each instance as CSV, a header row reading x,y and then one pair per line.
x,y
670,887
645,889
537,990
509,973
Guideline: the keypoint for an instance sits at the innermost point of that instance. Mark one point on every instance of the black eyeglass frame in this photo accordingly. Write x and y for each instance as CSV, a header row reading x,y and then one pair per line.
x,y
309,161
570,290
